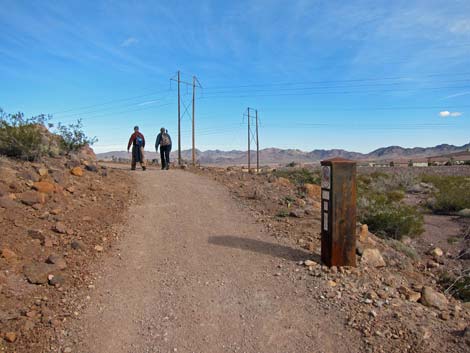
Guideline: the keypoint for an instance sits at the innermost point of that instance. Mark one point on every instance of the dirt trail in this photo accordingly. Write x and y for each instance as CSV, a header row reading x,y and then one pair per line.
x,y
195,273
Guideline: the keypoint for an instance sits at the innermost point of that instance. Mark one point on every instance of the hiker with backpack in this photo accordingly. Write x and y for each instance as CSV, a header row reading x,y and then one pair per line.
x,y
137,140
164,142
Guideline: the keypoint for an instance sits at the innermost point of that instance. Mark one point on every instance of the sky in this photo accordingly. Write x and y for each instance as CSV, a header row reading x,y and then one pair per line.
x,y
322,74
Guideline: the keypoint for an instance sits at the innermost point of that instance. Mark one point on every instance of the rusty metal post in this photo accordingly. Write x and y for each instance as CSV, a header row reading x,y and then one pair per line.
x,y
338,207
249,142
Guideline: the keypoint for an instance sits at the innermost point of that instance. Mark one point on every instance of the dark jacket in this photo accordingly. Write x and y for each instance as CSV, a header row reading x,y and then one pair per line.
x,y
159,138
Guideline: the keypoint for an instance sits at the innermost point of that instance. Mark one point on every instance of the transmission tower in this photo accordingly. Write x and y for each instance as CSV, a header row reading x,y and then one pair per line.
x,y
253,135
194,84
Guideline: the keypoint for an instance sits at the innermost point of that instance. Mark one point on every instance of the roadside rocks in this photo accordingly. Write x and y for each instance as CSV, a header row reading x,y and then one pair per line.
x,y
6,202
437,252
8,254
60,228
372,258
77,245
31,198
58,261
44,187
38,273
10,337
431,298
464,213
76,171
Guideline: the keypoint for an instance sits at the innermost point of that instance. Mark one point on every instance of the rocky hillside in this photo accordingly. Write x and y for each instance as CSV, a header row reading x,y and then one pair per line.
x,y
57,216
283,156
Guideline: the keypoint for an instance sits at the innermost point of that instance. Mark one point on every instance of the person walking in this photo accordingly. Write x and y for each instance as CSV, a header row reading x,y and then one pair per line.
x,y
137,140
164,142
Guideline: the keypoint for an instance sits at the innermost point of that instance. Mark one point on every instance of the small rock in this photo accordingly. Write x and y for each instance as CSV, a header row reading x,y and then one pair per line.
x,y
364,233
77,245
58,261
332,283
70,189
297,213
310,263
6,202
56,280
91,168
67,350
76,171
444,316
373,258
10,337
60,228
437,252
36,234
431,298
31,198
464,213
99,248
37,273
43,172
44,187
8,254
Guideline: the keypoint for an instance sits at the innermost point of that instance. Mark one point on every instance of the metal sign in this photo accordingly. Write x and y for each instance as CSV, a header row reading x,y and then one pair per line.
x,y
338,207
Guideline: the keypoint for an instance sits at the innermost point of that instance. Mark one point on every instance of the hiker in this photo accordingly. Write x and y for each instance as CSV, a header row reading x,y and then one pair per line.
x,y
164,141
137,140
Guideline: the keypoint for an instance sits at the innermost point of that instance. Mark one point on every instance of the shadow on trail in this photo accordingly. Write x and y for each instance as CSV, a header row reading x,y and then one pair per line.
x,y
263,247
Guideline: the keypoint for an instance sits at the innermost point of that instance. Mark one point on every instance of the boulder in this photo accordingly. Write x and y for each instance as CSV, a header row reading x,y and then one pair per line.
x,y
76,171
44,187
431,298
91,168
38,273
372,258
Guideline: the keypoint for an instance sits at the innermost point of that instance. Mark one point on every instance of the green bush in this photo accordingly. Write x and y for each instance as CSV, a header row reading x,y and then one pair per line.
x,y
452,195
73,137
22,137
389,218
299,176
380,206
457,286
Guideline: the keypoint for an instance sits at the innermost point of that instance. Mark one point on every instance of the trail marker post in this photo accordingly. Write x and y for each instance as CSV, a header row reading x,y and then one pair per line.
x,y
338,210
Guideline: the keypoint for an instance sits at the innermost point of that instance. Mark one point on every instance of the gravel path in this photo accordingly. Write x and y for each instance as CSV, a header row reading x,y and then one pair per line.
x,y
195,273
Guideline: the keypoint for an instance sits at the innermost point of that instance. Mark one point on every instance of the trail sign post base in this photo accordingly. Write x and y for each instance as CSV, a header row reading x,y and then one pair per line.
x,y
338,212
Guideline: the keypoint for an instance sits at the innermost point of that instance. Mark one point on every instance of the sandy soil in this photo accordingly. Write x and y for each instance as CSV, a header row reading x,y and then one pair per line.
x,y
195,273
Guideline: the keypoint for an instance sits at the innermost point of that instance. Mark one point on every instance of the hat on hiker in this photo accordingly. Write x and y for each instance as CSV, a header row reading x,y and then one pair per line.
x,y
136,127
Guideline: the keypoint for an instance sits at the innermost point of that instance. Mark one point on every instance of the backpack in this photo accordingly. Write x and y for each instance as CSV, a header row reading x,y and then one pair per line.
x,y
139,141
165,140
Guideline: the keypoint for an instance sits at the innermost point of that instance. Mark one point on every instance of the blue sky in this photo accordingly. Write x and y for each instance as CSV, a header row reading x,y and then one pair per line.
x,y
326,74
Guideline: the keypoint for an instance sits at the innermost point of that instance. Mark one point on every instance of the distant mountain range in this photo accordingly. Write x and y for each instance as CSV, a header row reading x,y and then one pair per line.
x,y
271,156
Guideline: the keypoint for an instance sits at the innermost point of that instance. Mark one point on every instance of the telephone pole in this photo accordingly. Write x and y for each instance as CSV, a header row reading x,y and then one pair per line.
x,y
257,143
249,141
196,83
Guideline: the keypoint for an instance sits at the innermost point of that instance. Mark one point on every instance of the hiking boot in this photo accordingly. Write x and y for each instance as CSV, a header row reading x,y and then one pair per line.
x,y
144,168
167,167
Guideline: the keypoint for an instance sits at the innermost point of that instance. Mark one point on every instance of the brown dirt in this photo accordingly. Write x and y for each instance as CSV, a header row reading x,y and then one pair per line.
x,y
36,314
197,274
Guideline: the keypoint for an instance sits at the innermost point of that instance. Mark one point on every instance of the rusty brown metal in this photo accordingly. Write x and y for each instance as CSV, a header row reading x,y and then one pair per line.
x,y
338,207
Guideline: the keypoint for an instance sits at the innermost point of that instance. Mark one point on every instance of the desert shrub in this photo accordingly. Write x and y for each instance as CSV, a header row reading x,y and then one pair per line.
x,y
452,195
73,137
379,205
282,213
457,285
299,176
389,218
404,249
22,137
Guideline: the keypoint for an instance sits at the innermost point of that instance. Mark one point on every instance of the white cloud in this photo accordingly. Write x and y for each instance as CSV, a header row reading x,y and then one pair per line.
x,y
447,114
129,41
461,27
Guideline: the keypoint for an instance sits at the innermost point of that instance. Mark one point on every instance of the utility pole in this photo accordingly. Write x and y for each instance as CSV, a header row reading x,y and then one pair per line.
x,y
257,143
252,135
249,141
194,84
194,123
179,120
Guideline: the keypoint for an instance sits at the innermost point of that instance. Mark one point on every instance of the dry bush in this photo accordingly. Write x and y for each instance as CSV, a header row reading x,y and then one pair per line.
x,y
452,195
